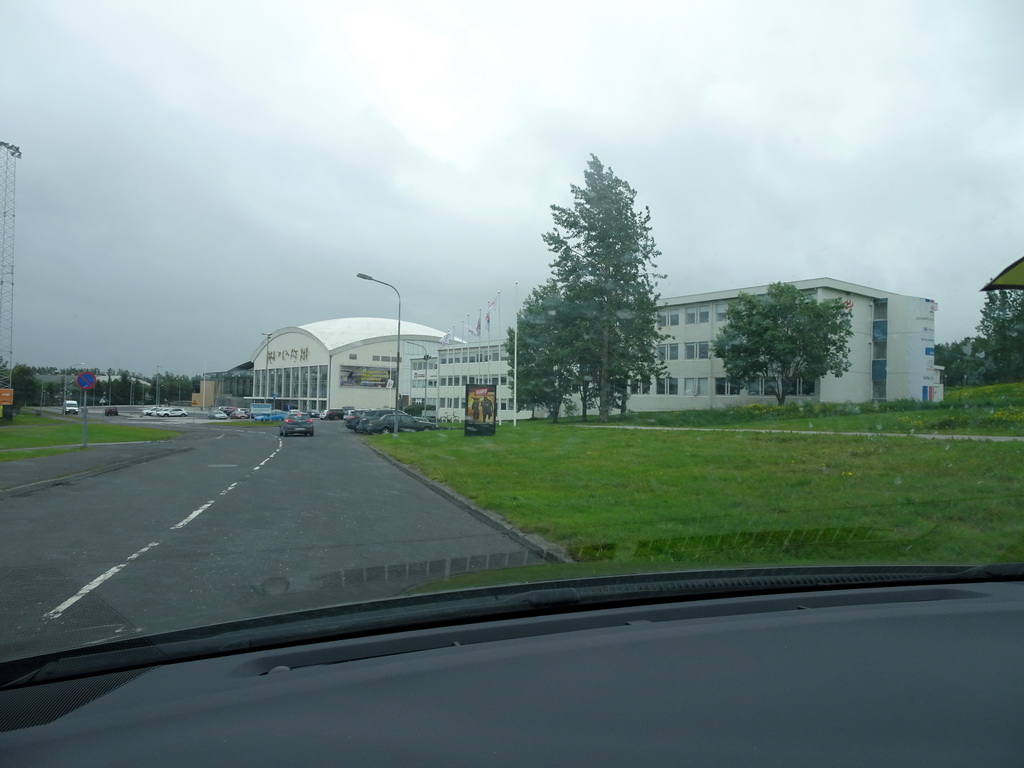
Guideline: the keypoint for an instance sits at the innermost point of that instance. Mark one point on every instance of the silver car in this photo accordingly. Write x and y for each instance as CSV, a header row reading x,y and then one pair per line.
x,y
296,423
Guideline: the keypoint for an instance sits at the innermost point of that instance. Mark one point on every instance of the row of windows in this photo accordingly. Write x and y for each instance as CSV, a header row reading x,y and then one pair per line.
x,y
697,386
307,381
461,381
474,355
455,402
694,350
698,313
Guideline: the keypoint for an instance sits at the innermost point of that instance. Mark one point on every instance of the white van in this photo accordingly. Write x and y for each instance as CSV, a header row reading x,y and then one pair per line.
x,y
71,406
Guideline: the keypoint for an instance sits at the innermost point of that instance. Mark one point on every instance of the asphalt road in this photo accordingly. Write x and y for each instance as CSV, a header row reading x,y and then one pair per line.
x,y
240,523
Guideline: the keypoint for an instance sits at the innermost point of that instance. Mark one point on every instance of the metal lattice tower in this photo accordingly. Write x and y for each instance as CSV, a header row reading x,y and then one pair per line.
x,y
10,154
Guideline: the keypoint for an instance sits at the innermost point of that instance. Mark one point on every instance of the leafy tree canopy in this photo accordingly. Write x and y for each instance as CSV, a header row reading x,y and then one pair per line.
x,y
784,335
1001,332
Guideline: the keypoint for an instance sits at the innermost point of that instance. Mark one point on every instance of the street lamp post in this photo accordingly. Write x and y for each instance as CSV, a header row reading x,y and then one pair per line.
x,y
156,403
266,368
398,360
426,379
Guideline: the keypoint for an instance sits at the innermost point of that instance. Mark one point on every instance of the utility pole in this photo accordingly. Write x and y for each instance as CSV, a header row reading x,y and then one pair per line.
x,y
7,172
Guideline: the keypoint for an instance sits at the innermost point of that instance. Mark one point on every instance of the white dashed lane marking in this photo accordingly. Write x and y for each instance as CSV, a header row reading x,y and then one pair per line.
x,y
60,609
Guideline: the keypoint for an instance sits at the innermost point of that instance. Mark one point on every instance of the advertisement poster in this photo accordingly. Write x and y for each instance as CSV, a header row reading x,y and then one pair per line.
x,y
360,376
481,409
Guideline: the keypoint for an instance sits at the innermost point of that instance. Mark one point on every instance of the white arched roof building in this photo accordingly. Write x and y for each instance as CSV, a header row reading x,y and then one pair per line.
x,y
346,361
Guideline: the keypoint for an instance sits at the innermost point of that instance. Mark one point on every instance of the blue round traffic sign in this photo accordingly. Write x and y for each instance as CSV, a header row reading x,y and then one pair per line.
x,y
86,380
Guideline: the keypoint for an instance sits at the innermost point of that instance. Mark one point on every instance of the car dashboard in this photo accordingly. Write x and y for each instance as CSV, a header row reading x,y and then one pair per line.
x,y
916,675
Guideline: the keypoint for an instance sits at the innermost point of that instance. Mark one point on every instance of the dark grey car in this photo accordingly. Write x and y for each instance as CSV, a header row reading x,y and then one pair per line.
x,y
296,423
386,423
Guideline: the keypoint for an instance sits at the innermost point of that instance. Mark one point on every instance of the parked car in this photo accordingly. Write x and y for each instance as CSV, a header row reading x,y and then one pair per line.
x,y
70,407
315,414
151,411
239,413
175,412
352,418
275,415
218,415
406,423
110,410
297,423
368,416
333,414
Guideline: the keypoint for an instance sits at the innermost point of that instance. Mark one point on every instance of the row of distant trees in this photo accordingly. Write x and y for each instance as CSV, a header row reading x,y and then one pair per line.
x,y
119,387
592,328
996,354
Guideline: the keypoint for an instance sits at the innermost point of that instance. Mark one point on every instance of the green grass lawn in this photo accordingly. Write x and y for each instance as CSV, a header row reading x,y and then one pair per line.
x,y
43,432
723,498
992,410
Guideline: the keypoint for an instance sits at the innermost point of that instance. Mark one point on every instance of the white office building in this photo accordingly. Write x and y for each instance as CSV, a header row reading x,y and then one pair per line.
x,y
892,352
477,363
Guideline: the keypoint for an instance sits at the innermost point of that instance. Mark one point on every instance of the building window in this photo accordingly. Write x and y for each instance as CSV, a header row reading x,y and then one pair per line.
x,y
641,387
695,386
697,350
724,386
668,386
353,356
668,317
721,307
755,387
879,350
698,314
668,351
878,390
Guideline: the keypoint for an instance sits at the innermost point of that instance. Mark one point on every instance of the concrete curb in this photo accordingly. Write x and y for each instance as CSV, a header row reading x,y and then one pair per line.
x,y
540,546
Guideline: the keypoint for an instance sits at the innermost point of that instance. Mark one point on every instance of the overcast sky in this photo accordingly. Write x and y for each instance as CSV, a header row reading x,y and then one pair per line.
x,y
196,173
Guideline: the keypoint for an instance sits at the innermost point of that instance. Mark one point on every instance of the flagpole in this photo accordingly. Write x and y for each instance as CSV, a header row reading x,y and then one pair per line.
x,y
515,364
465,366
497,307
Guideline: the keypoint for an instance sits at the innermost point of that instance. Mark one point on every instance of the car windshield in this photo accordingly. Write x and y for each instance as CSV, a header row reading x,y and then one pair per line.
x,y
664,287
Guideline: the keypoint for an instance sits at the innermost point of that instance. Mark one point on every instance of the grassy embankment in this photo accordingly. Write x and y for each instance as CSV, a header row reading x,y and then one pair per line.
x,y
642,499
32,436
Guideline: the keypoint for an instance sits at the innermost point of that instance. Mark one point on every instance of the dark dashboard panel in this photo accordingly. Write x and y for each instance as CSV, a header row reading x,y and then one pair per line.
x,y
909,676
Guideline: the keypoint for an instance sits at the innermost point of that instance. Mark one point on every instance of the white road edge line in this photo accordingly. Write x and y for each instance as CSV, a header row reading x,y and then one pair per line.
x,y
56,612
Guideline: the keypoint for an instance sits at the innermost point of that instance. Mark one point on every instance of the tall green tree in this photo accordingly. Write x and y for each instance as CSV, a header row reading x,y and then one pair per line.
x,y
25,385
604,257
966,362
783,336
1002,336
546,370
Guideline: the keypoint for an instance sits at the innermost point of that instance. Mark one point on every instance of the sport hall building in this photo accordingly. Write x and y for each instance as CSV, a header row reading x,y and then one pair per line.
x,y
345,362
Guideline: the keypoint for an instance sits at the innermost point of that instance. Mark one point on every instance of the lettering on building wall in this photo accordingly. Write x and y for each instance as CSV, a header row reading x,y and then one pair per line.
x,y
288,355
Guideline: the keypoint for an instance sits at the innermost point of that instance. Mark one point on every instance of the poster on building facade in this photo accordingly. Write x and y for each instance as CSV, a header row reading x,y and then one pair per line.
x,y
481,409
362,376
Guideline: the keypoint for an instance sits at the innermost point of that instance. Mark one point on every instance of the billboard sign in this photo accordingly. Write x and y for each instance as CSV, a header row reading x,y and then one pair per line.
x,y
362,376
481,409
